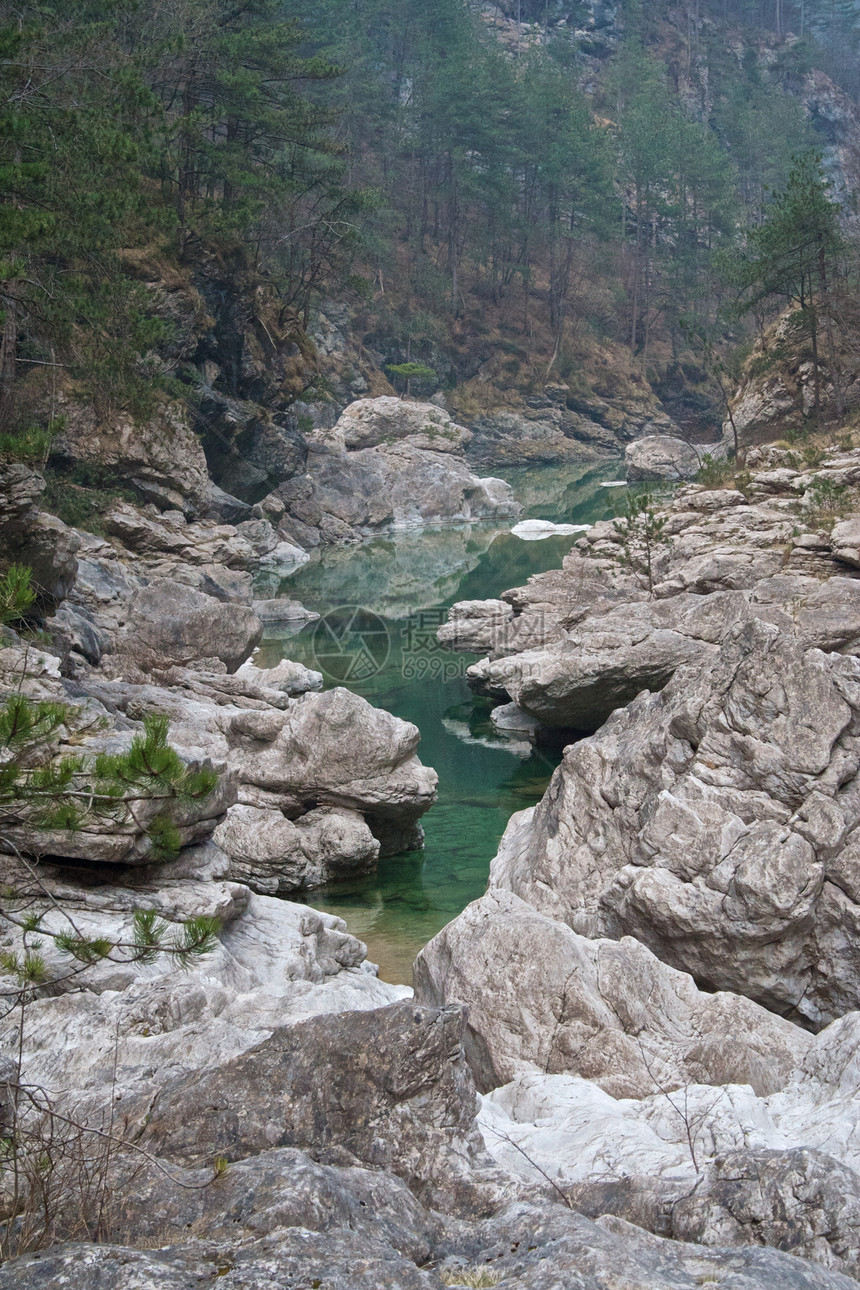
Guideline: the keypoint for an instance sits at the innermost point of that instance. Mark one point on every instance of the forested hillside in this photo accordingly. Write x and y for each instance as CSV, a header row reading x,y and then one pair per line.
x,y
500,195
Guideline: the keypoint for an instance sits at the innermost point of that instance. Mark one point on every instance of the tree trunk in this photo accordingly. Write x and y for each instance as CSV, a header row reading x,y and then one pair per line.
x,y
636,268
836,374
8,347
813,335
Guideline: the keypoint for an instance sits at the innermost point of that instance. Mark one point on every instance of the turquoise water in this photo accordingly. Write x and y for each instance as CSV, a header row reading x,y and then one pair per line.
x,y
403,584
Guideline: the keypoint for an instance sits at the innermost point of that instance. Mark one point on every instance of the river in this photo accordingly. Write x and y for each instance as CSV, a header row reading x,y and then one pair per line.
x,y
402,585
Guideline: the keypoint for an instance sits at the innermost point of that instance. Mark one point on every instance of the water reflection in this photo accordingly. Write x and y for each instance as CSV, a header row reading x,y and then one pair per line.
x,y
409,580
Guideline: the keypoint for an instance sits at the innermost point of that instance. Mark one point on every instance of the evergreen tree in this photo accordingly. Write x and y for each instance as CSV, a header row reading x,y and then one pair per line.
x,y
42,791
677,194
791,255
73,114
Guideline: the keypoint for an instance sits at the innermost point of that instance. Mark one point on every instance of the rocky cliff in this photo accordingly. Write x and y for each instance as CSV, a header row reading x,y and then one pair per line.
x,y
661,980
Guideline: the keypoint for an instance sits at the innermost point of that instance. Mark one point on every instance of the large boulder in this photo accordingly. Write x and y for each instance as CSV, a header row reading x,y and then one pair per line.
x,y
475,626
161,458
291,750
661,457
168,623
369,422
335,749
543,999
275,855
716,822
345,495
396,1095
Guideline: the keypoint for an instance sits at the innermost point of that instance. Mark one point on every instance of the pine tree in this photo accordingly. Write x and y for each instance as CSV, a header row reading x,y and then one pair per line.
x,y
72,142
43,792
791,255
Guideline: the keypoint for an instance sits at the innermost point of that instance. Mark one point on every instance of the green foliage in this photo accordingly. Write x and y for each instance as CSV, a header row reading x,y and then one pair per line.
x,y
80,496
40,790
824,501
392,149
791,255
715,474
641,533
681,185
73,124
763,128
29,443
16,593
129,125
198,936
409,372
787,255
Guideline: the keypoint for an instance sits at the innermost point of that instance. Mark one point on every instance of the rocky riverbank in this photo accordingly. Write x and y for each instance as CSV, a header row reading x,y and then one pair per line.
x,y
662,979
609,1075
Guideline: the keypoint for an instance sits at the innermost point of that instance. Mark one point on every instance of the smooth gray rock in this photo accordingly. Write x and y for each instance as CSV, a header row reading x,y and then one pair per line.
x,y
661,457
368,422
335,749
717,823
400,485
542,998
275,855
168,623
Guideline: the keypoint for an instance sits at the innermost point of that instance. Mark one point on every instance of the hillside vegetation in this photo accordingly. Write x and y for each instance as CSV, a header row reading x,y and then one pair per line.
x,y
506,194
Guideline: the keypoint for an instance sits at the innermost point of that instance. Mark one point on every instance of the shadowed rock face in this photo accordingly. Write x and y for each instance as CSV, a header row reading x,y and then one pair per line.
x,y
248,450
41,542
396,1094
